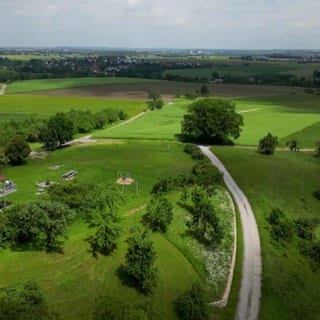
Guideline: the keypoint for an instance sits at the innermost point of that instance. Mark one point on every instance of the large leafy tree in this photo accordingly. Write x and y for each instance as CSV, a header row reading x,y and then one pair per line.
x,y
140,258
212,121
24,301
17,150
59,130
159,213
40,224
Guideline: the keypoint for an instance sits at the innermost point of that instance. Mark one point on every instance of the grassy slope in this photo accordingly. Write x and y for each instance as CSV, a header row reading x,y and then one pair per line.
x,y
290,289
159,124
280,115
12,106
63,83
62,275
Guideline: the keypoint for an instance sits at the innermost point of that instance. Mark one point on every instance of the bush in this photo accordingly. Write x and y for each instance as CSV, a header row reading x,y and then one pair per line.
x,y
17,150
206,174
194,151
268,144
192,304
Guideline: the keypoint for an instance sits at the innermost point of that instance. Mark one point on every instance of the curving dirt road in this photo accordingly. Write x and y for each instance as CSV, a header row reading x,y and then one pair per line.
x,y
250,291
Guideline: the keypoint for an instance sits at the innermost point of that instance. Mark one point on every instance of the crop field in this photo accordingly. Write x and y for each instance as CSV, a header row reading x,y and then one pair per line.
x,y
290,288
22,106
180,261
50,84
239,68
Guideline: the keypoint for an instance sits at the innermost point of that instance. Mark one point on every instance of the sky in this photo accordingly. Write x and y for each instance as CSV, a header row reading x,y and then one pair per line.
x,y
215,24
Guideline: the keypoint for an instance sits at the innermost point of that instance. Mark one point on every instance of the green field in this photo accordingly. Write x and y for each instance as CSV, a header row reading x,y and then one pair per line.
x,y
50,84
22,106
160,124
283,116
290,289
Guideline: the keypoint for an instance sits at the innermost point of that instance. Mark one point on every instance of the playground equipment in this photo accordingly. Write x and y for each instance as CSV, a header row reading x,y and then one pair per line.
x,y
8,187
124,179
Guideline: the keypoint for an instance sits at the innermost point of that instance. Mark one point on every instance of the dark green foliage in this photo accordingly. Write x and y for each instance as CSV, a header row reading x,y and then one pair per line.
x,y
317,150
139,265
212,121
194,151
268,144
159,214
184,195
204,91
281,227
206,174
105,239
292,144
24,301
305,228
3,158
108,308
192,304
39,224
17,150
155,101
59,130
205,225
317,194
71,194
192,95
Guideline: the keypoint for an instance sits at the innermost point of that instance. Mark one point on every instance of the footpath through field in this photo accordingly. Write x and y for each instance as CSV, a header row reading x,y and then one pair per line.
x,y
3,89
250,291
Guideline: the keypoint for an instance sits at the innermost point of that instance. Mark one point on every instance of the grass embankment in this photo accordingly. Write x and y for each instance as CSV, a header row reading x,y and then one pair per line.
x,y
74,280
283,116
20,107
63,83
160,124
290,289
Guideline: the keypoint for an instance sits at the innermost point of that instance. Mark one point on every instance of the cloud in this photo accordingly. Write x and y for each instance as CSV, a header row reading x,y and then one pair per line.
x,y
162,23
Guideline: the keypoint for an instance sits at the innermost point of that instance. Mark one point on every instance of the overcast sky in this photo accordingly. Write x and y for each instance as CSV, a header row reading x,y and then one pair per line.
x,y
228,24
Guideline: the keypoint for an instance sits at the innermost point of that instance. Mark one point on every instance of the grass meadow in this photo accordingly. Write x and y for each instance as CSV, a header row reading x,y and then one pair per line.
x,y
290,289
22,106
62,275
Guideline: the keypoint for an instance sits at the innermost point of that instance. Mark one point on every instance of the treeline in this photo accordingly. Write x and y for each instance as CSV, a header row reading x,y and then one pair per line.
x,y
54,132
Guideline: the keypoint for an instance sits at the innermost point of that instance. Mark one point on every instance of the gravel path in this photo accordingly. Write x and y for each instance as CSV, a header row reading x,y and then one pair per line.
x,y
3,89
250,291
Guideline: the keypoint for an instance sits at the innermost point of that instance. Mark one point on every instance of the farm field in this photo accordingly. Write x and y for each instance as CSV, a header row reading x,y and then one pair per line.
x,y
239,68
50,84
290,288
61,275
22,106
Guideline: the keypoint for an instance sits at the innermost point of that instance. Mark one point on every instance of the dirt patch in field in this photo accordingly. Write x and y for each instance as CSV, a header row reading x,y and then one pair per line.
x,y
135,210
138,91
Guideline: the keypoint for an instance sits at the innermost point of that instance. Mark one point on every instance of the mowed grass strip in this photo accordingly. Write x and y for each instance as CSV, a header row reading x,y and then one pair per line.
x,y
74,280
159,124
290,289
280,115
63,83
21,106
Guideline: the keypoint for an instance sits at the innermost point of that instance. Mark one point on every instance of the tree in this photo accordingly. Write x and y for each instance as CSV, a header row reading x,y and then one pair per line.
x,y
140,258
267,144
204,91
3,158
159,214
59,130
205,224
24,301
40,224
212,121
192,304
292,144
105,239
155,101
17,150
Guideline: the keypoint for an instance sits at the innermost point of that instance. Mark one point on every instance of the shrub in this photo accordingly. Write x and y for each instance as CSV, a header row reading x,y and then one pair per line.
x,y
268,144
194,151
17,150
